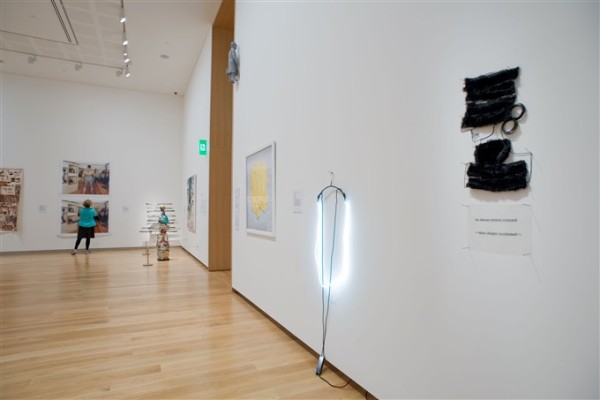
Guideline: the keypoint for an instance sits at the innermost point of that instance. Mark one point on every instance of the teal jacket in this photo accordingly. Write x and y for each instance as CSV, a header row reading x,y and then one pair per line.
x,y
86,217
163,219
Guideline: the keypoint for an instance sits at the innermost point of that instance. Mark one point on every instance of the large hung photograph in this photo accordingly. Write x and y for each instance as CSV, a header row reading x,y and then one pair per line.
x,y
69,217
85,178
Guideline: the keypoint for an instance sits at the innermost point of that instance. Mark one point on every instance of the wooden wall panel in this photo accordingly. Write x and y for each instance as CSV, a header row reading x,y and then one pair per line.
x,y
221,116
226,15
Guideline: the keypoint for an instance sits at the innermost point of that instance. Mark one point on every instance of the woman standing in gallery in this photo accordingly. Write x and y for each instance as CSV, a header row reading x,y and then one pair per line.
x,y
87,223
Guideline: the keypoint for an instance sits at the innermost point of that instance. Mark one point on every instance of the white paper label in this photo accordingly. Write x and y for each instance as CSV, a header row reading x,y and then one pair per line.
x,y
500,229
298,195
237,209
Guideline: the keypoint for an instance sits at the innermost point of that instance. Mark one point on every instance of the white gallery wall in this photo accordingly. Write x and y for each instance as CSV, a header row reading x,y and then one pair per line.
x,y
373,92
45,122
196,127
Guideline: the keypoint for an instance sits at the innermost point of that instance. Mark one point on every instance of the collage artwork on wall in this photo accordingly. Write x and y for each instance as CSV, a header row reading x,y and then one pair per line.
x,y
11,181
191,203
81,181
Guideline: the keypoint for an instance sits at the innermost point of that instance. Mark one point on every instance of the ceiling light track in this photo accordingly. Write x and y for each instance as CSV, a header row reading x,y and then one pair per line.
x,y
64,20
126,58
60,18
77,65
38,38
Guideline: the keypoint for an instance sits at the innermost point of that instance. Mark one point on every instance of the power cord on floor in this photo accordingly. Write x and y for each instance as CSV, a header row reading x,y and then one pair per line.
x,y
367,394
335,386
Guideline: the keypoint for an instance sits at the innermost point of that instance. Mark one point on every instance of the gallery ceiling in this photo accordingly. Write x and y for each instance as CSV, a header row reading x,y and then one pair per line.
x,y
82,41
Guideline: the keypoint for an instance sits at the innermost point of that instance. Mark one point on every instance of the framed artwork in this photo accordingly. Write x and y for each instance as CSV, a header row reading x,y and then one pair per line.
x,y
69,216
260,191
85,178
191,203
11,181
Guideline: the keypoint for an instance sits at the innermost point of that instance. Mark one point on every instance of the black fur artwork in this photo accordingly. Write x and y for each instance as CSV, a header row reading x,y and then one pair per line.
x,y
490,98
489,171
493,152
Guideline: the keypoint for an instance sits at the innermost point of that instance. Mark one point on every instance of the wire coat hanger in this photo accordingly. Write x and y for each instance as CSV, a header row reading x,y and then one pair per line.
x,y
330,186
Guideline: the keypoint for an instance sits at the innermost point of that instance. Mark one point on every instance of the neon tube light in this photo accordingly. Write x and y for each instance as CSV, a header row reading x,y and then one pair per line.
x,y
342,273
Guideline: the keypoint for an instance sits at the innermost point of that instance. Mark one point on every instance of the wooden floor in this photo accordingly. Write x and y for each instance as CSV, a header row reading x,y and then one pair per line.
x,y
103,326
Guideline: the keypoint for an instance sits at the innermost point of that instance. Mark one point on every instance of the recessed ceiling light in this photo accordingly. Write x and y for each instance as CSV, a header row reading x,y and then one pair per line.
x,y
165,56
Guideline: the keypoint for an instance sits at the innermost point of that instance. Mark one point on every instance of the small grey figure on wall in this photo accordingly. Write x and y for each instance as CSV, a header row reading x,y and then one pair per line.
x,y
233,65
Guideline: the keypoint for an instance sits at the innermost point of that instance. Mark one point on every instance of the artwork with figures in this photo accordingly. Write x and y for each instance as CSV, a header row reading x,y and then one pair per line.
x,y
191,203
161,223
85,178
260,191
162,239
69,216
11,180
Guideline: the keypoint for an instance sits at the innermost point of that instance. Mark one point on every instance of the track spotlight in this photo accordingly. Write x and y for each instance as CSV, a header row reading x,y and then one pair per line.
x,y
127,60
122,17
127,73
125,41
31,59
78,66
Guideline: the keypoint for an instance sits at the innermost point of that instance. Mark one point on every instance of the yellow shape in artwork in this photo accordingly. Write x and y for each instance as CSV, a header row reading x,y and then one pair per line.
x,y
259,180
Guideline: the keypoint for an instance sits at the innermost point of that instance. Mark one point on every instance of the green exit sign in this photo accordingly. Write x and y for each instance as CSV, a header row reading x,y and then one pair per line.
x,y
203,147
